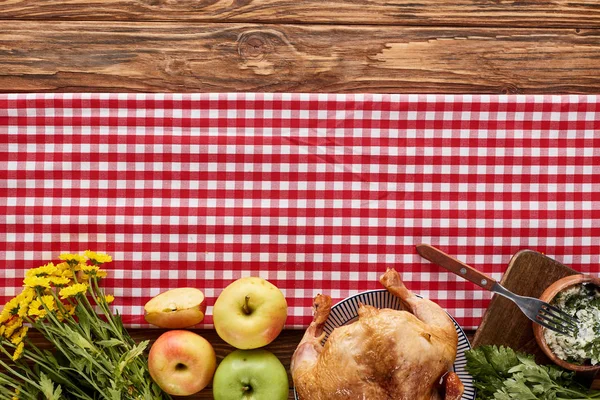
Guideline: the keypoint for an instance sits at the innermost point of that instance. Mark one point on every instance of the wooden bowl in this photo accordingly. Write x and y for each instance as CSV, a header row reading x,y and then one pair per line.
x,y
538,330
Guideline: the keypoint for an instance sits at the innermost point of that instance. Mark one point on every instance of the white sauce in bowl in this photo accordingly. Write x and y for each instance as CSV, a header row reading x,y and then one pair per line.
x,y
583,302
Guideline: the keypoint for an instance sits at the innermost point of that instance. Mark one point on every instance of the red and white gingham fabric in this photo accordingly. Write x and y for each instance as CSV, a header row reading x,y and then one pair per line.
x,y
316,193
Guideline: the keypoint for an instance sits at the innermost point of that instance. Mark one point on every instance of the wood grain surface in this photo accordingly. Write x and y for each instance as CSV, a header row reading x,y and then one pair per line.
x,y
499,13
379,46
169,57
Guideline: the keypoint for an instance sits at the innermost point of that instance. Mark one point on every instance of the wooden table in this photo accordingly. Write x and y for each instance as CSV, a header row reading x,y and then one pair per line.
x,y
431,46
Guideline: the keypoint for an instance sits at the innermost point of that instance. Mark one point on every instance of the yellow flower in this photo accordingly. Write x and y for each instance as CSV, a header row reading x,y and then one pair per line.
x,y
109,298
77,267
40,306
60,316
17,393
37,281
26,293
65,270
64,311
18,351
23,309
67,274
19,336
44,270
70,308
2,329
59,281
63,266
83,277
72,258
25,298
11,308
36,309
90,269
48,301
12,326
99,258
73,290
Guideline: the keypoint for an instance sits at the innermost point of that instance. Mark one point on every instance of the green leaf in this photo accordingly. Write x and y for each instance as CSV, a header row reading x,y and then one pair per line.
x,y
84,321
487,379
109,342
48,389
46,385
133,353
518,389
114,394
57,392
501,358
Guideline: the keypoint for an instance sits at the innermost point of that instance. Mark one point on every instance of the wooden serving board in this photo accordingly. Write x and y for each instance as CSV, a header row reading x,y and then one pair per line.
x,y
529,273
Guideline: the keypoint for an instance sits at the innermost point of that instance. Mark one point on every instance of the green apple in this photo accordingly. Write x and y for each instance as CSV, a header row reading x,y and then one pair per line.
x,y
250,375
249,313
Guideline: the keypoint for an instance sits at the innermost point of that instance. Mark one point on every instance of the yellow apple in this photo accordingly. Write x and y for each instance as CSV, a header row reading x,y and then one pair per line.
x,y
181,362
176,308
250,313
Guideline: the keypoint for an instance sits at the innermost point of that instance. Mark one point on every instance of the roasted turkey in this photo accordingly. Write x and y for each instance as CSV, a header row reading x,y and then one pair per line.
x,y
385,355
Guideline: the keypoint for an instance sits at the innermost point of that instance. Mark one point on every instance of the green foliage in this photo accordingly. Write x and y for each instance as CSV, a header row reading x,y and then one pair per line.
x,y
500,373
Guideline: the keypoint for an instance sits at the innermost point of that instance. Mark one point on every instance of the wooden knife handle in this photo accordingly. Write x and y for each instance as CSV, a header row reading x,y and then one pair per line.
x,y
458,267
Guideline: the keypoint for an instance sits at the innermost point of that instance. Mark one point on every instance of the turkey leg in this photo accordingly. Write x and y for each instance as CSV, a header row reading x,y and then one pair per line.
x,y
424,309
308,350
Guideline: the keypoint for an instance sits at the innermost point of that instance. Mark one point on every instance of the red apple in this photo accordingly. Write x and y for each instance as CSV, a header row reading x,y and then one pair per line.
x,y
176,308
181,362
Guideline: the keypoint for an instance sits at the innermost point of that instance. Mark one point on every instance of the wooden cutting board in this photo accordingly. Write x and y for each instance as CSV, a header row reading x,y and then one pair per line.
x,y
529,273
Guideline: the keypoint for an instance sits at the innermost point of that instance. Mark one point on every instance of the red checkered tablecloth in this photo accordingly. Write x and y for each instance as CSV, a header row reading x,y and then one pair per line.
x,y
316,193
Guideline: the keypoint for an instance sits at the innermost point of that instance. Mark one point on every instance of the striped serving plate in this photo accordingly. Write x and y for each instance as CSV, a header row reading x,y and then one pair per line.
x,y
346,311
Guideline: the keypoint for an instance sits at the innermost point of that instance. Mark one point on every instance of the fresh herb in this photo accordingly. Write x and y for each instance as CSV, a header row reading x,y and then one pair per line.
x,y
94,356
500,373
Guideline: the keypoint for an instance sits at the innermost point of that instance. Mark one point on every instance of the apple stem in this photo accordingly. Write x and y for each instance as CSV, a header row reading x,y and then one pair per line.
x,y
246,388
246,306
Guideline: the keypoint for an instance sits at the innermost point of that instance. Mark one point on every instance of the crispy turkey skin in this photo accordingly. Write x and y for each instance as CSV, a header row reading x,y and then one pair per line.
x,y
385,354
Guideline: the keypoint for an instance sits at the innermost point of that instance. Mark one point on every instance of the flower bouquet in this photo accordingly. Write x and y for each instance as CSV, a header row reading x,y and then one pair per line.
x,y
94,357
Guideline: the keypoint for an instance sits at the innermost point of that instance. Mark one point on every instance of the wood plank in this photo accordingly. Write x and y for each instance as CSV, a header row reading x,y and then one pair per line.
x,y
170,57
529,273
531,13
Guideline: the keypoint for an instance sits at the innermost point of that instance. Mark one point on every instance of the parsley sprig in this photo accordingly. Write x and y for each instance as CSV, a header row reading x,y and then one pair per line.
x,y
500,373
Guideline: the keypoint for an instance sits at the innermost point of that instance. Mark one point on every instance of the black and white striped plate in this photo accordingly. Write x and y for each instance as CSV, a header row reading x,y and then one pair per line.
x,y
346,311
